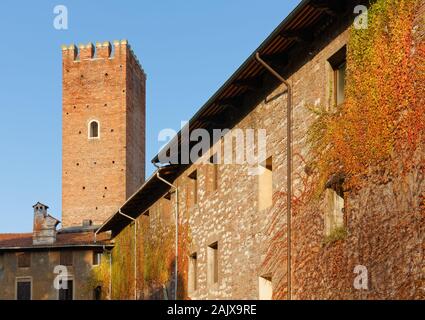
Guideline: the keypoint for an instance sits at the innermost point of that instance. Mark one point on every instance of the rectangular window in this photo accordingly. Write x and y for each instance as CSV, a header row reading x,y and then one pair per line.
x,y
66,258
97,258
214,172
194,186
212,263
334,211
68,292
97,293
338,63
339,78
23,289
265,187
193,273
24,259
265,288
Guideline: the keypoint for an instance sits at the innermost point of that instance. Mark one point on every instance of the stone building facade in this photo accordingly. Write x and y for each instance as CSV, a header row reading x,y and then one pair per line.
x,y
213,228
35,266
236,240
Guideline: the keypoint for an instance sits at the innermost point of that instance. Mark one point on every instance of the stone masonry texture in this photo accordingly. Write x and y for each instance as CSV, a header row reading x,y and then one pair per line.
x,y
385,228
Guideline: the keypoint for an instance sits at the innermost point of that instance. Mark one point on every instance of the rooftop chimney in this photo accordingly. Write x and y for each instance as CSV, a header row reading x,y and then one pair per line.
x,y
44,232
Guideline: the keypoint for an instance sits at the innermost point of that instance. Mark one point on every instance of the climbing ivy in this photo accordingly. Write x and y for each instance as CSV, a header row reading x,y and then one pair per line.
x,y
383,117
379,127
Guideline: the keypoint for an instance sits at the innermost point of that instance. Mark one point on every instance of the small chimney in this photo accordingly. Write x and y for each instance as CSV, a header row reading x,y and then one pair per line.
x,y
44,231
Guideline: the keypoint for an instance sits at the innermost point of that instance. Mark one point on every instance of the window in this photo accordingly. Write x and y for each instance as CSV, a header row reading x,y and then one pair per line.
x,y
68,292
66,258
334,211
212,263
97,258
265,288
23,289
97,293
94,129
339,78
214,172
193,273
338,63
194,186
24,260
265,188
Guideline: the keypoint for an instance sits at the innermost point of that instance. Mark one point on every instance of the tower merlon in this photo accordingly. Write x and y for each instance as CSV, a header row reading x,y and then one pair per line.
x,y
102,50
86,51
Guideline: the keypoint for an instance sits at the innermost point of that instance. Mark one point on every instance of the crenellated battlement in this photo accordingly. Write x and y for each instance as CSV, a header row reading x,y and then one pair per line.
x,y
101,50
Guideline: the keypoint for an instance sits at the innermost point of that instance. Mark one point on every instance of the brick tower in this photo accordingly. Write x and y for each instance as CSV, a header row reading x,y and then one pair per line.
x,y
103,146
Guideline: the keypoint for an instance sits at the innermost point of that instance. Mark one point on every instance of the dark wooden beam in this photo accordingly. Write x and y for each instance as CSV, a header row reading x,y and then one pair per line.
x,y
230,102
332,8
252,84
298,35
280,58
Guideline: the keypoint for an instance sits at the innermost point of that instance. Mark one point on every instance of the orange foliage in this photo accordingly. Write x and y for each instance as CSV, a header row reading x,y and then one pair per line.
x,y
383,117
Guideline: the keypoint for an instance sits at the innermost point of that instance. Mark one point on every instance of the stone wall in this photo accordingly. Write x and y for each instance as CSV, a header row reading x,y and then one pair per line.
x,y
385,228
41,273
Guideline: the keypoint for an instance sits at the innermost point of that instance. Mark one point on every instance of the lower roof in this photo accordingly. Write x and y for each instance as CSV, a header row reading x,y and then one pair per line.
x,y
81,240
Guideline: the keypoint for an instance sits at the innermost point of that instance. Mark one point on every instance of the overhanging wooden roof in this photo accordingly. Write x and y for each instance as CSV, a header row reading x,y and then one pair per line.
x,y
298,27
302,25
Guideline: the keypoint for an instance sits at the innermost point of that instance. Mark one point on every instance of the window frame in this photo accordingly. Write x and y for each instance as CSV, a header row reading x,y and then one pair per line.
x,y
194,187
98,254
336,62
214,169
20,254
337,74
265,180
69,278
72,258
23,280
267,279
193,273
89,129
213,262
334,219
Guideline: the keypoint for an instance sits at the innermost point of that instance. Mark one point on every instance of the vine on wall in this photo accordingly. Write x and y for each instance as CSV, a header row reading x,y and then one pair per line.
x,y
383,117
380,125
155,260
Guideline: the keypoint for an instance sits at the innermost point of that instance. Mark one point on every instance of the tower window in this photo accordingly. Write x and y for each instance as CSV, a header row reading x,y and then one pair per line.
x,y
94,129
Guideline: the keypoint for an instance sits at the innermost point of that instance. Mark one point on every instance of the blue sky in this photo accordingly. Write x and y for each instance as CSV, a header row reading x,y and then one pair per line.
x,y
188,49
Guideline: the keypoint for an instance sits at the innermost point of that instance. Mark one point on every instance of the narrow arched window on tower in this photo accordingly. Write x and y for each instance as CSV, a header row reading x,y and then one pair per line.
x,y
94,129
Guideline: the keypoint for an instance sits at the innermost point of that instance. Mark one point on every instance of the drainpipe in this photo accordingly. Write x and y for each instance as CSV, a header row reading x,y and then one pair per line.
x,y
135,250
288,162
177,229
110,274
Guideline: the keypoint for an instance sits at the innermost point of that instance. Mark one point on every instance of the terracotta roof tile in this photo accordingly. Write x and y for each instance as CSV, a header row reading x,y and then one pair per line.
x,y
13,240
